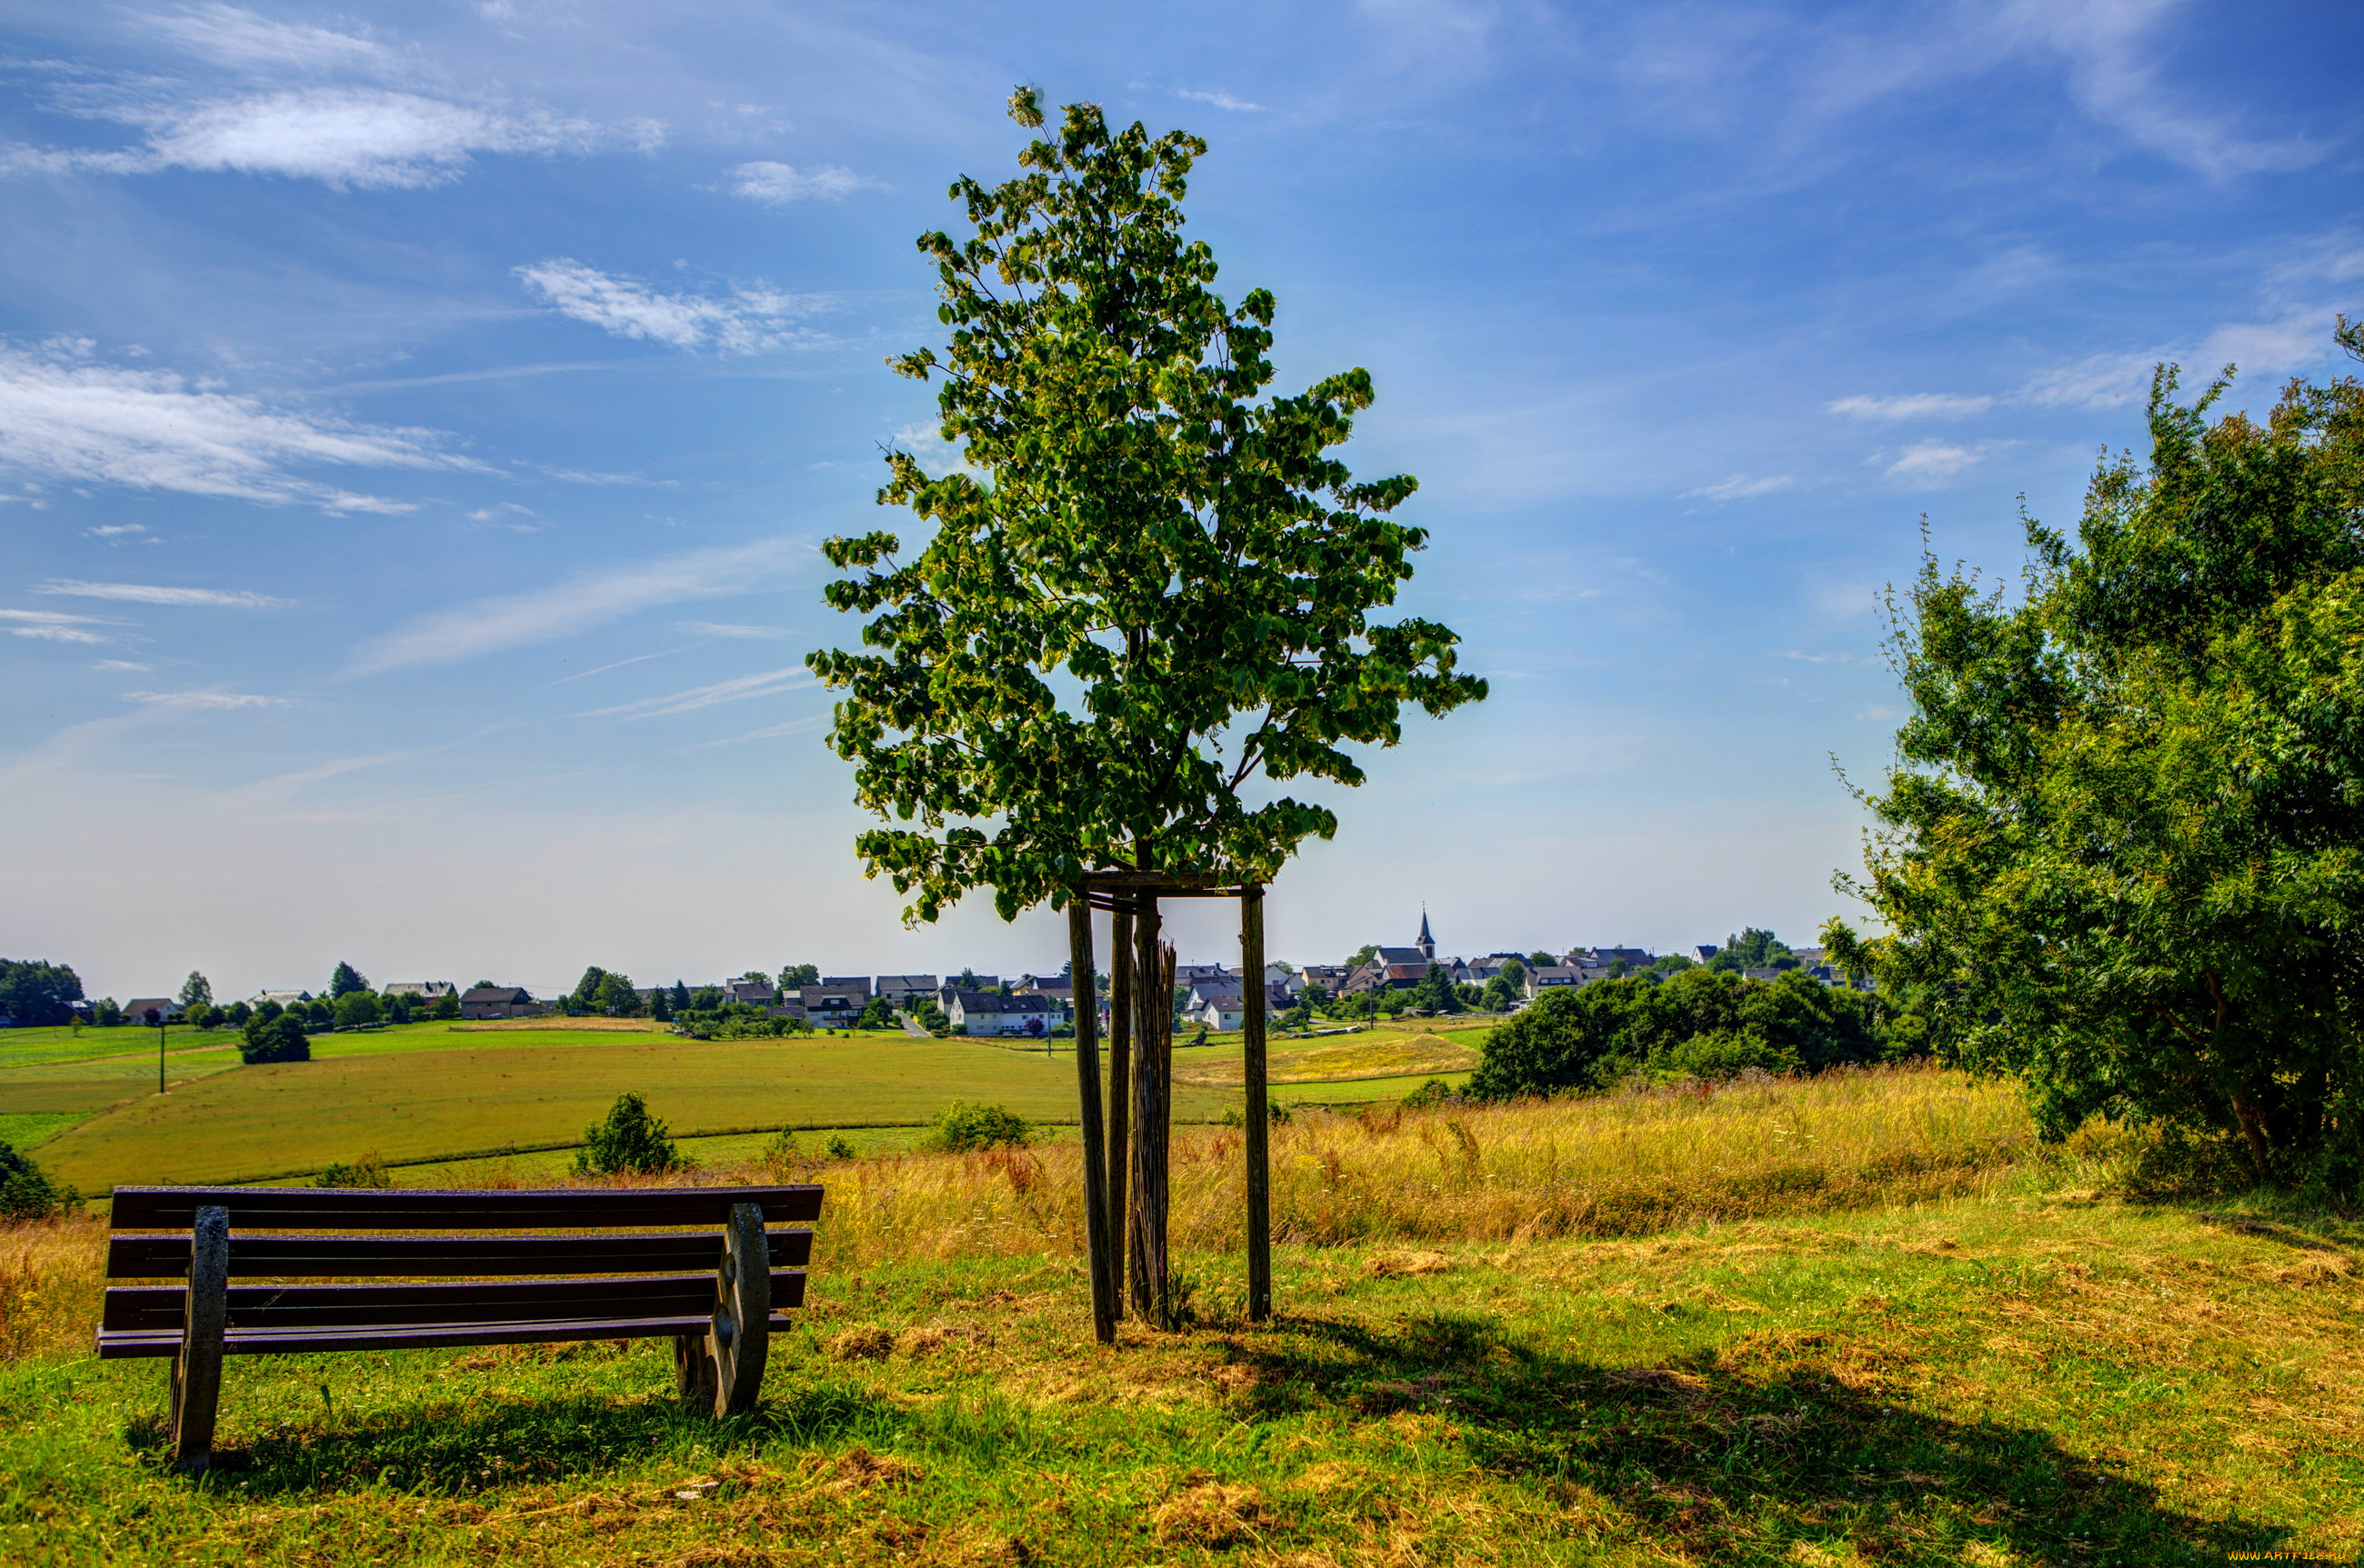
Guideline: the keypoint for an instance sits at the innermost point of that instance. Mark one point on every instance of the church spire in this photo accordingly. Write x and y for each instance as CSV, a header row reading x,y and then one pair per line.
x,y
1427,944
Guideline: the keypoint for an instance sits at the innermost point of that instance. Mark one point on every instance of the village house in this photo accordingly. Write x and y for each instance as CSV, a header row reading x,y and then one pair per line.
x,y
991,1012
166,1010
428,991
905,993
497,1002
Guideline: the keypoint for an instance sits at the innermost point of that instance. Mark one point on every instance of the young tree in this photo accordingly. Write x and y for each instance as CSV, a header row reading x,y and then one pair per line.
x,y
196,991
1435,992
107,1013
681,1002
1543,960
615,997
661,1005
1501,996
1149,584
345,980
799,974
447,1005
1133,526
1753,949
2123,855
397,1007
279,1039
355,1009
630,1141
586,994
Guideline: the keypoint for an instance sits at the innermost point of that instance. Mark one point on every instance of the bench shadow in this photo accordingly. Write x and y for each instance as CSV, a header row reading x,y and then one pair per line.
x,y
1780,1433
454,1449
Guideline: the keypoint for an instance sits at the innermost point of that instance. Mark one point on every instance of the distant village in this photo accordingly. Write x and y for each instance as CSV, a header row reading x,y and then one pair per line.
x,y
1377,980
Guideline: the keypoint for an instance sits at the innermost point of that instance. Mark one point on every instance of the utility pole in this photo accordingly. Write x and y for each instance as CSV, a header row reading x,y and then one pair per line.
x,y
157,1017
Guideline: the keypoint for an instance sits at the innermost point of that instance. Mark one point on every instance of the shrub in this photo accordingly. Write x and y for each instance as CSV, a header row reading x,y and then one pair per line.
x,y
960,1127
279,1039
366,1171
1435,1092
26,1192
837,1148
1276,1114
1725,1055
355,1009
782,1156
630,1141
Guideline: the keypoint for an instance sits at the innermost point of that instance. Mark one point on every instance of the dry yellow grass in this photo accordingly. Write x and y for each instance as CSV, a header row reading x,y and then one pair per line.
x,y
1613,1165
1618,1165
51,1277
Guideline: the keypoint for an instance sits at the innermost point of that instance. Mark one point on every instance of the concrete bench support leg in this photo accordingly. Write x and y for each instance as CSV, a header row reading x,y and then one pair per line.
x,y
197,1374
722,1370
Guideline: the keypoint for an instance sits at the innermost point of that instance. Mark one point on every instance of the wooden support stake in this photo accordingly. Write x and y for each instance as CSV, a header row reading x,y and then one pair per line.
x,y
1153,1014
1083,980
197,1374
1119,1098
1259,1105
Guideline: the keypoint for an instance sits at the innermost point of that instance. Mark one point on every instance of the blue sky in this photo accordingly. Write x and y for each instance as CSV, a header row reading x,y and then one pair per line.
x,y
417,423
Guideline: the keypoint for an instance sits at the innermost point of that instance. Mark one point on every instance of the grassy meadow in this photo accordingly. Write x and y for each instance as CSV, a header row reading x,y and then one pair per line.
x,y
1850,1321
459,1094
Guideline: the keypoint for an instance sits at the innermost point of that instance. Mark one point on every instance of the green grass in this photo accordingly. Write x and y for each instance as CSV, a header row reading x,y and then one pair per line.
x,y
375,1092
23,1129
2007,1381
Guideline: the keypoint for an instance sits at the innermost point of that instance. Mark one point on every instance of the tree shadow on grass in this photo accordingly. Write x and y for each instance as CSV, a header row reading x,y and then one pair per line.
x,y
1740,1452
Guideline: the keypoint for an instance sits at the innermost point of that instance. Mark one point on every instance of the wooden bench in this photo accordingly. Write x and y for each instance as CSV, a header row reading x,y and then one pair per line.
x,y
632,1270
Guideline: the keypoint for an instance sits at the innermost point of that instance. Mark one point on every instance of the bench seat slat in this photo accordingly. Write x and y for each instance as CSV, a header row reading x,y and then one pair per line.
x,y
160,1309
420,1208
286,1257
121,1344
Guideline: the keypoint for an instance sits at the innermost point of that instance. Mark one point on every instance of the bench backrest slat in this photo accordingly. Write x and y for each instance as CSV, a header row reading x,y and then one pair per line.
x,y
291,1257
255,1308
413,1209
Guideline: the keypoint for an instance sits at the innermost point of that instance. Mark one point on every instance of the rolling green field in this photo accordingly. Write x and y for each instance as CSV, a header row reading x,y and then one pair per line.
x,y
295,1118
453,1093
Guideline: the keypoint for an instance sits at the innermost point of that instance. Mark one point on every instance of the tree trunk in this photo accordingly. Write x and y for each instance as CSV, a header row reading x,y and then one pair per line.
x,y
1119,1097
2253,1129
1153,1295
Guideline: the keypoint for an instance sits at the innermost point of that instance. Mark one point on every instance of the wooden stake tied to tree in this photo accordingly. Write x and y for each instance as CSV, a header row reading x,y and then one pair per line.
x,y
1147,585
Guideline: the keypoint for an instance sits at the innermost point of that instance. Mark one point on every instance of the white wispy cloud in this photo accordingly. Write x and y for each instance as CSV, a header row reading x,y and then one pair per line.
x,y
739,688
1218,99
545,614
122,665
2113,50
149,594
744,321
234,36
794,726
59,618
59,634
66,417
1931,463
113,530
778,184
1913,405
725,628
1740,487
345,137
204,699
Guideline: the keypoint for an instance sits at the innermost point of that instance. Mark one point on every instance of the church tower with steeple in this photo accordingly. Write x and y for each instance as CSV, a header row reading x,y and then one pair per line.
x,y
1427,944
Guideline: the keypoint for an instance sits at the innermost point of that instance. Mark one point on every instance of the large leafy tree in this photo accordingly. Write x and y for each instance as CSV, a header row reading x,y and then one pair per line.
x,y
33,991
1148,583
2123,855
346,980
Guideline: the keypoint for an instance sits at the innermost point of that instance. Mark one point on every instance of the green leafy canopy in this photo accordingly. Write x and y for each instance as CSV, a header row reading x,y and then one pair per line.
x,y
2123,857
1147,583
